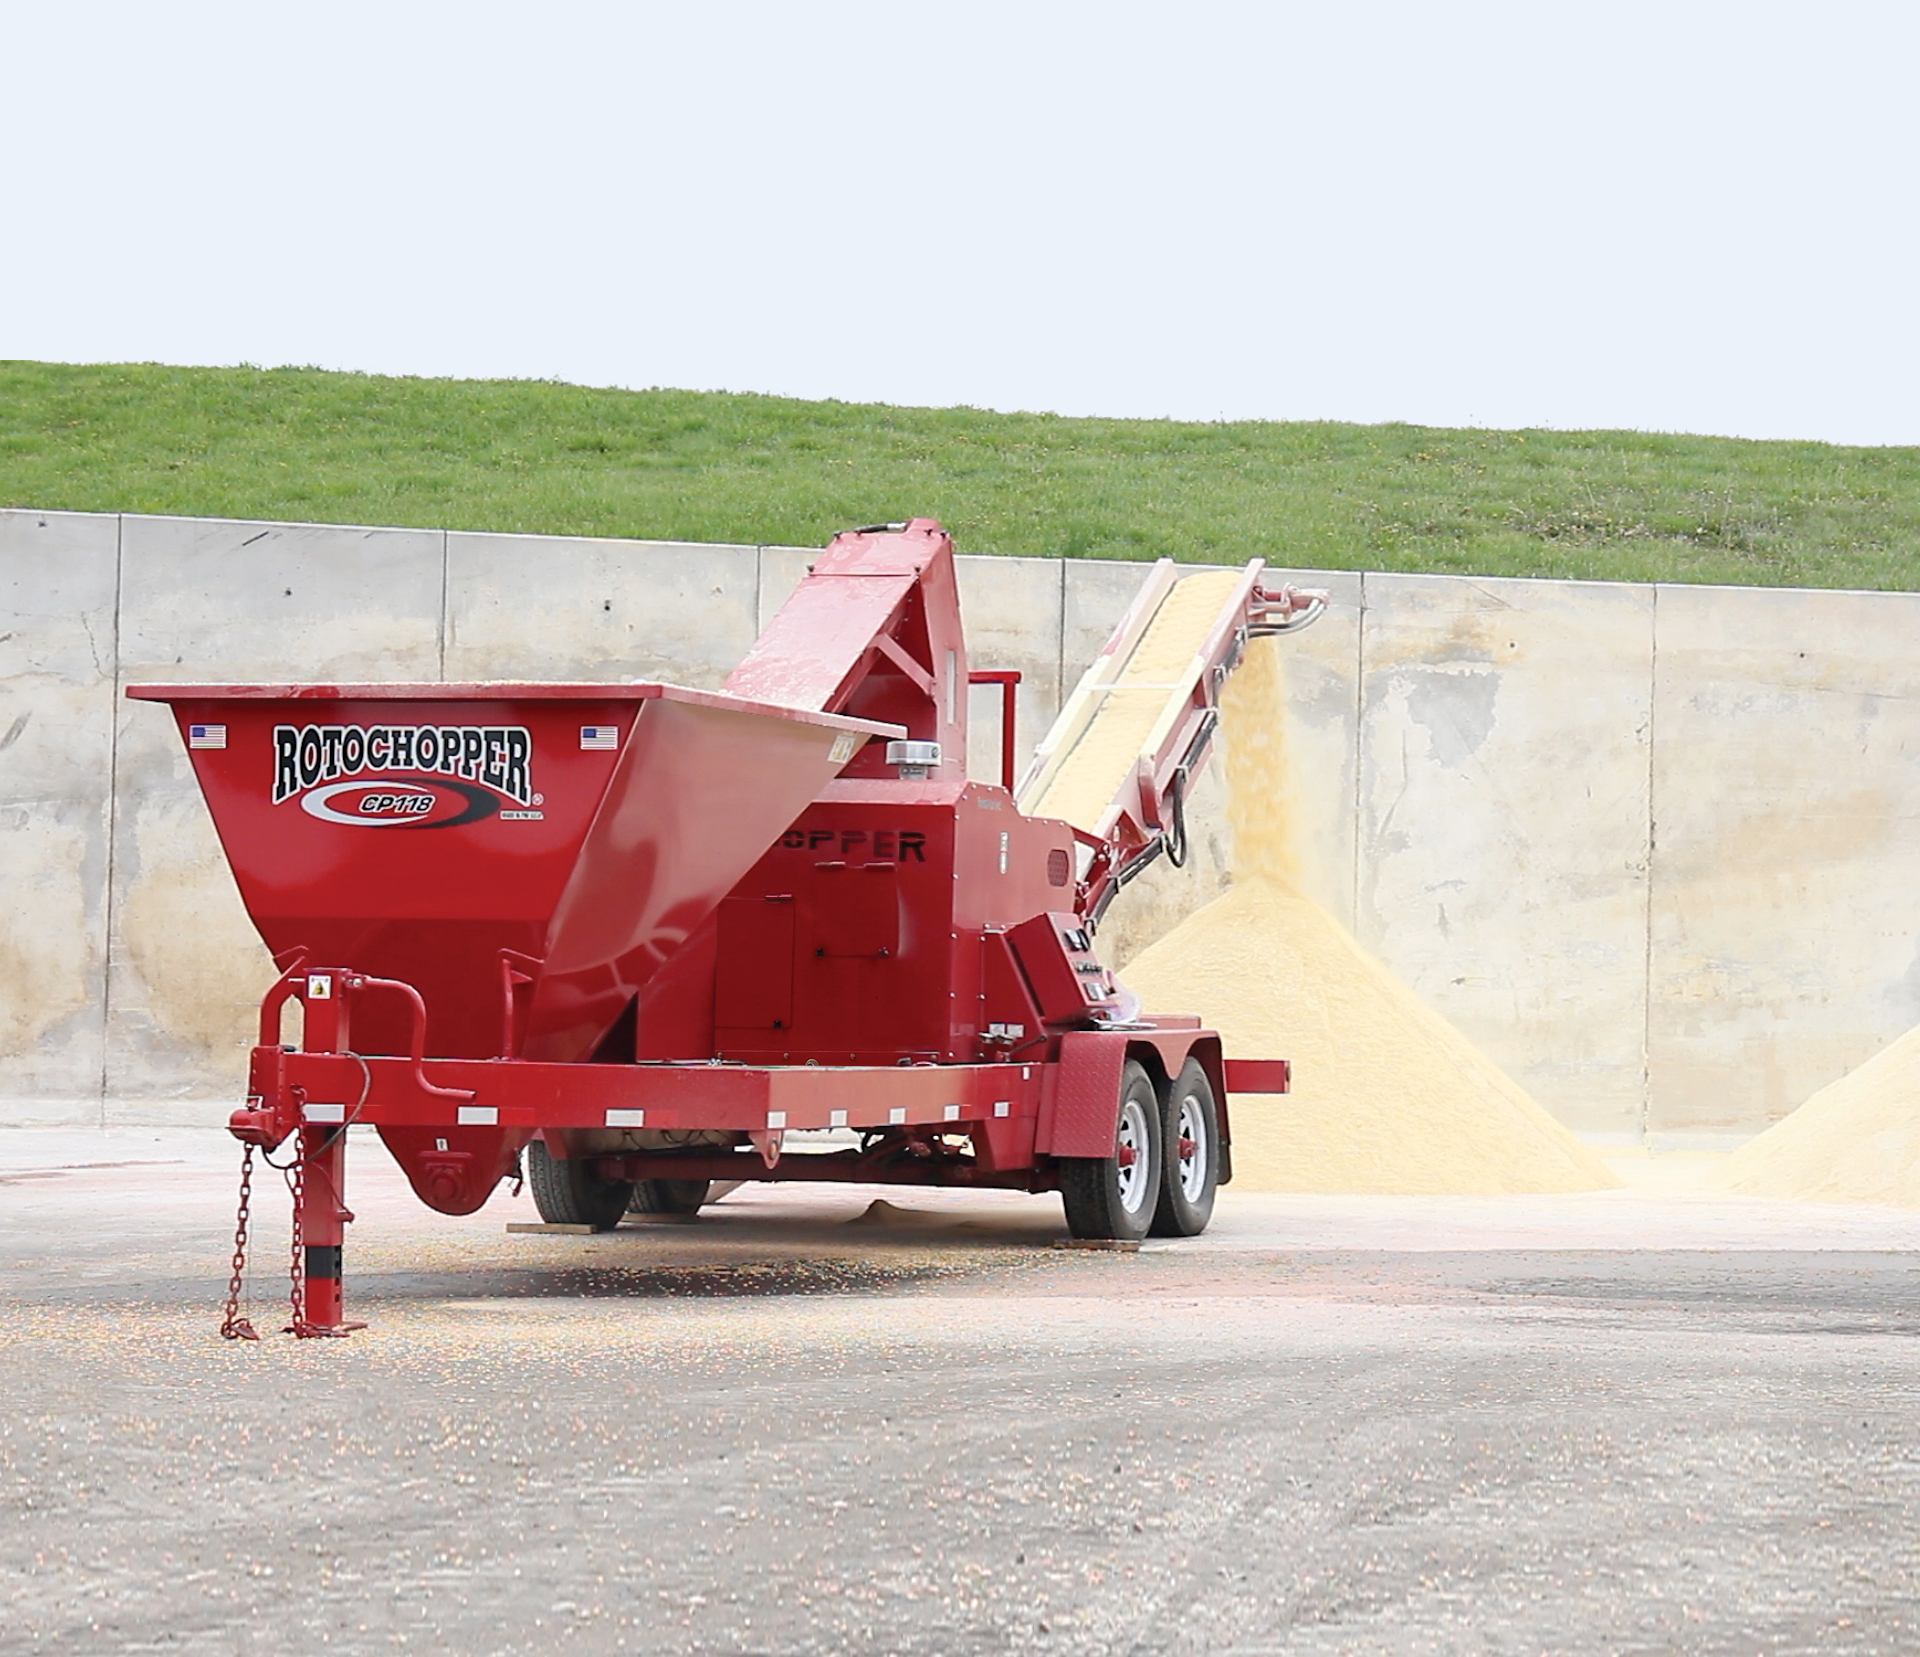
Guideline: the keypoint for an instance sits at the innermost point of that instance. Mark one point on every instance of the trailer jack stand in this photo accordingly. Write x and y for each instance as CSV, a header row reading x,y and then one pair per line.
x,y
315,1178
319,1234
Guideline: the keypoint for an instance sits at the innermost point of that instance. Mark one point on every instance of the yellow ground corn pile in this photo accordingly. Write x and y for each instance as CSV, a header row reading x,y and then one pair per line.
x,y
1388,1096
1856,1140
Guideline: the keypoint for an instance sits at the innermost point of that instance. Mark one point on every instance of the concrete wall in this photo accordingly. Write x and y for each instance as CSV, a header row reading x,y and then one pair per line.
x,y
1652,847
1503,805
59,574
1785,911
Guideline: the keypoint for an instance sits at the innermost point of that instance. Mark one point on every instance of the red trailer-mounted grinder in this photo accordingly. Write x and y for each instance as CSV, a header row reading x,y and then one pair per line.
x,y
643,934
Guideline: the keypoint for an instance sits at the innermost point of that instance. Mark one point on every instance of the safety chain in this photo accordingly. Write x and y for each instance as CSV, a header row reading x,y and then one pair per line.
x,y
234,1327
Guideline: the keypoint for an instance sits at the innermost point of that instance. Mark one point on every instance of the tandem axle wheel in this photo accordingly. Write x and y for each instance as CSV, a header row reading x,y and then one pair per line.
x,y
1165,1165
1115,1196
566,1192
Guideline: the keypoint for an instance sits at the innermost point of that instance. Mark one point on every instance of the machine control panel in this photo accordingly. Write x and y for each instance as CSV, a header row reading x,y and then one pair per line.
x,y
1056,953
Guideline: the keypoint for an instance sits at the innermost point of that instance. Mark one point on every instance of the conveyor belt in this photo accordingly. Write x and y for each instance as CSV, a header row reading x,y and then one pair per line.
x,y
1125,703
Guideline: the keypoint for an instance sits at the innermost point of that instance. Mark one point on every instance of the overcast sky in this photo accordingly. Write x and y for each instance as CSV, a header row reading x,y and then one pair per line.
x,y
1678,216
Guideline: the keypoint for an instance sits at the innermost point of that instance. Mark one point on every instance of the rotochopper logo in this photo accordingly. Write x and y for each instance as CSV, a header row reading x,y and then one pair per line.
x,y
443,775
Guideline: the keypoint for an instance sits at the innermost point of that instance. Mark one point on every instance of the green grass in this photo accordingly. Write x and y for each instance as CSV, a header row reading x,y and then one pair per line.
x,y
679,465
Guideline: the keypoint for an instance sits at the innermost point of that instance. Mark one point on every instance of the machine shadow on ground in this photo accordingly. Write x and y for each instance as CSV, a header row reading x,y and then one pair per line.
x,y
746,1249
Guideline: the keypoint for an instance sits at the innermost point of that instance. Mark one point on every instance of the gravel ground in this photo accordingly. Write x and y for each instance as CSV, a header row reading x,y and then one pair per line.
x,y
1652,1420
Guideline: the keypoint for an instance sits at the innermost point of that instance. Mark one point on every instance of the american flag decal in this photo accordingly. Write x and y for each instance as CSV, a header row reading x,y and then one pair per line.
x,y
599,736
206,736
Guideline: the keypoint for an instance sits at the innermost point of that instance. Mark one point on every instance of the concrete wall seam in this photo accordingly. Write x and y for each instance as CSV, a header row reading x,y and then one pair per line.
x,y
1653,869
113,770
1359,679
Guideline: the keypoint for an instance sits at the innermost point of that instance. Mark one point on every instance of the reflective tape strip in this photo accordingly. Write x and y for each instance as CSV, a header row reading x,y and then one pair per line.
x,y
626,1118
1002,1107
323,1113
952,1112
477,1116
836,1118
776,1118
897,1115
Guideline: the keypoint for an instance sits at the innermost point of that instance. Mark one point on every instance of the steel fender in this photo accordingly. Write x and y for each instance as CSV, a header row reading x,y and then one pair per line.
x,y
1207,1051
1086,1094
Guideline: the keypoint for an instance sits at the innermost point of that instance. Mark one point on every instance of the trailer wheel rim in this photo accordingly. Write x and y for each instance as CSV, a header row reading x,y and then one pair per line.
x,y
1193,1129
1134,1164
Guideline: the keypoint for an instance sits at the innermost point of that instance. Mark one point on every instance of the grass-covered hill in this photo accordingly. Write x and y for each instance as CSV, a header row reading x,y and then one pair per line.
x,y
681,465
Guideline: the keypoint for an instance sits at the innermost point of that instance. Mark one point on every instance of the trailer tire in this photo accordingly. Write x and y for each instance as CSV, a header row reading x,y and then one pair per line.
x,y
1189,1155
1114,1197
669,1196
566,1193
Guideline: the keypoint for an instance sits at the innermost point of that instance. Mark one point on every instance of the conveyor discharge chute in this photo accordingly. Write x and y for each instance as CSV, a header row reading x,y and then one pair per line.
x,y
1118,760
